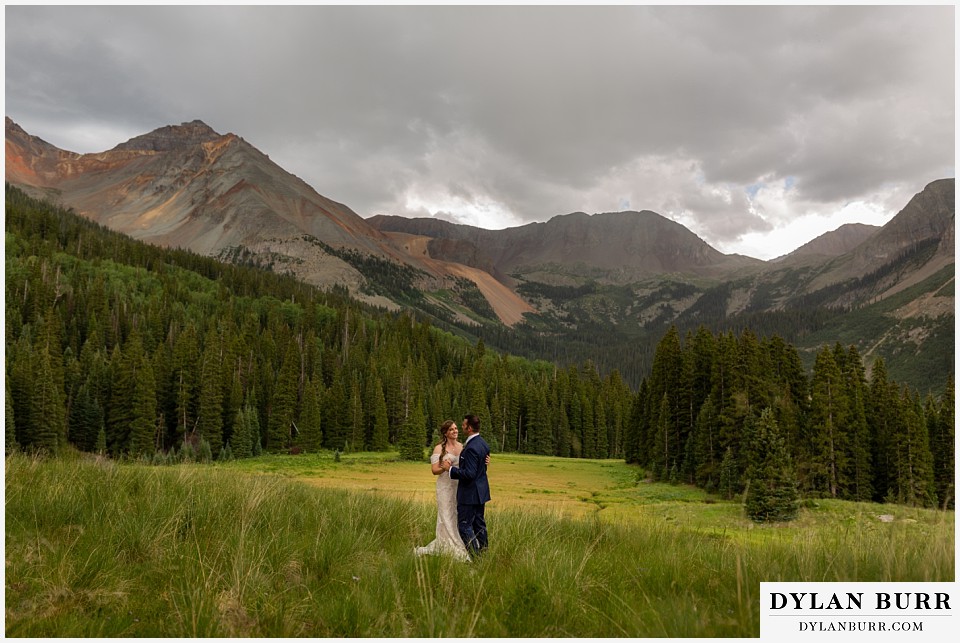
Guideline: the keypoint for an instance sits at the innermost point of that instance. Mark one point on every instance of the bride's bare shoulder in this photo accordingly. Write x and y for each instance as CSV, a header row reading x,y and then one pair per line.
x,y
436,450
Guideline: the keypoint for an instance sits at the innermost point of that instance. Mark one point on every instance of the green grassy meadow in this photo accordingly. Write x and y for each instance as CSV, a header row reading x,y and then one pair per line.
x,y
286,546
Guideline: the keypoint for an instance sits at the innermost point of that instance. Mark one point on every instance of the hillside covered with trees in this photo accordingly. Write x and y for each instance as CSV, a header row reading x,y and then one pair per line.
x,y
118,347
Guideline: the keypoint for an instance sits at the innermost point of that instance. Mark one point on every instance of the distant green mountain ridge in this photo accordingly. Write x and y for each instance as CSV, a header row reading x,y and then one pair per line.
x,y
602,287
890,293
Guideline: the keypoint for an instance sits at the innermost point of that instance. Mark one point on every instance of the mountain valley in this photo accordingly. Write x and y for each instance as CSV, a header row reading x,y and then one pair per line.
x,y
602,287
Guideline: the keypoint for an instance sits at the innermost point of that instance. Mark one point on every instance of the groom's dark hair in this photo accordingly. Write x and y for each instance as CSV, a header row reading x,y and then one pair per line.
x,y
473,421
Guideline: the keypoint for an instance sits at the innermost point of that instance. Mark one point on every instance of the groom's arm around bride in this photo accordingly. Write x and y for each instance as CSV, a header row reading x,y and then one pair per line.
x,y
473,490
472,471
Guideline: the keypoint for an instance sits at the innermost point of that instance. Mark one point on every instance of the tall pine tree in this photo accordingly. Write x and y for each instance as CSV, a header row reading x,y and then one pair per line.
x,y
311,432
283,407
828,440
942,436
772,494
210,401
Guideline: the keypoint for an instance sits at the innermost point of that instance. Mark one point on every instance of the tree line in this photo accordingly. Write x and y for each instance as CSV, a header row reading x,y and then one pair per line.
x,y
697,419
131,350
127,349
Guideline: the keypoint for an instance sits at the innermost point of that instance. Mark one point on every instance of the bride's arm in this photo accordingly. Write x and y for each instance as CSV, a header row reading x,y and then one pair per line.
x,y
435,462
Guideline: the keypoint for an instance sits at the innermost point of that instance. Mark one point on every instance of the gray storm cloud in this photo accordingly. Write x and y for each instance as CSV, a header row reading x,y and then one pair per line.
x,y
499,115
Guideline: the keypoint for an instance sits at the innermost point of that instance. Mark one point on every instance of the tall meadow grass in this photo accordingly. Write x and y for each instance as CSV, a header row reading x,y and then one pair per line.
x,y
96,548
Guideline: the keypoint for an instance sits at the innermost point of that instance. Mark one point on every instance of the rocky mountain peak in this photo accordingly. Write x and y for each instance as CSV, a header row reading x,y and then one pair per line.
x,y
17,134
171,137
835,243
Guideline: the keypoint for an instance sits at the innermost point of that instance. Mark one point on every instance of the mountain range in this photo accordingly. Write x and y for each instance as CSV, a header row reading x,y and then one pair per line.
x,y
592,283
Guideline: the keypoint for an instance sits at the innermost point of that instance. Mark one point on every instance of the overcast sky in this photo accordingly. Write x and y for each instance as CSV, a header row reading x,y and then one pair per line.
x,y
758,128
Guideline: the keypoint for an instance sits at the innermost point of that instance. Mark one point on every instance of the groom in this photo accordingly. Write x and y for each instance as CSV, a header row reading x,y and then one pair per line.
x,y
473,490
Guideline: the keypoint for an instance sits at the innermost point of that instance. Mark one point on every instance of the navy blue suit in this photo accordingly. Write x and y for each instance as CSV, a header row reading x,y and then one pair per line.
x,y
473,491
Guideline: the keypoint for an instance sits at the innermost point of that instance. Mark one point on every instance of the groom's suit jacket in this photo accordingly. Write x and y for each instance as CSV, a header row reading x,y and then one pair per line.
x,y
473,488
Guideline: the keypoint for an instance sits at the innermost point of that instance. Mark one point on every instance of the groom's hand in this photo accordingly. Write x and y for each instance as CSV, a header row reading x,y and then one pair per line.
x,y
445,465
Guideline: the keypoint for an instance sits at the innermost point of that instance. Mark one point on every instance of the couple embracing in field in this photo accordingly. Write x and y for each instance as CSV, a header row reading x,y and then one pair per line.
x,y
462,491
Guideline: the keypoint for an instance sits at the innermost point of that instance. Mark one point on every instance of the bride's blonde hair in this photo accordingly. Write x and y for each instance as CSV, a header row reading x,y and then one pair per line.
x,y
444,429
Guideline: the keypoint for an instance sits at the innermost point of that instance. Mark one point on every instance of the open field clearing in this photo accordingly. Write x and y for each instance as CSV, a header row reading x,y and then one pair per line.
x,y
305,546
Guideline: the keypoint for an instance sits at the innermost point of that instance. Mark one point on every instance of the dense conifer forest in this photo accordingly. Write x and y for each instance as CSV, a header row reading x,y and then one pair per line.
x,y
712,401
118,347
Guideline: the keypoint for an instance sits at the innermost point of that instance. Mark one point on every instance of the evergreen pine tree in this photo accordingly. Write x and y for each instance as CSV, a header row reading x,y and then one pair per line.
x,y
412,433
119,411
697,365
539,431
860,476
230,379
942,436
86,419
667,388
311,433
575,415
10,441
729,476
662,463
143,424
620,398
790,380
232,401
706,447
47,408
559,403
210,402
882,420
336,414
914,482
380,440
284,404
674,474
357,427
204,452
634,426
413,429
722,390
748,456
20,365
600,418
257,448
587,409
772,494
829,442
253,422
240,441
187,452
184,373
100,447
752,373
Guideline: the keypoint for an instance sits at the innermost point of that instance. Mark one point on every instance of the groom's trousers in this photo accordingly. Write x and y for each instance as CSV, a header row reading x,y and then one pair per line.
x,y
472,527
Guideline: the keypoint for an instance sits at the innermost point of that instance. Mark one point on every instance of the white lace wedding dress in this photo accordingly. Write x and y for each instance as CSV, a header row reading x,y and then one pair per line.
x,y
448,537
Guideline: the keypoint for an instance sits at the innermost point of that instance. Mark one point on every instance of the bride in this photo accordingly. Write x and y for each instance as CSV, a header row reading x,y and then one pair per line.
x,y
448,537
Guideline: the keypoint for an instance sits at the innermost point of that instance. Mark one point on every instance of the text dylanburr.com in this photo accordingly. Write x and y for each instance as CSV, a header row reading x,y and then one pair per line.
x,y
844,611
